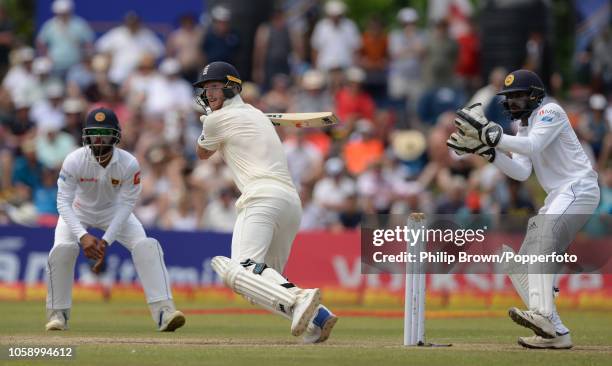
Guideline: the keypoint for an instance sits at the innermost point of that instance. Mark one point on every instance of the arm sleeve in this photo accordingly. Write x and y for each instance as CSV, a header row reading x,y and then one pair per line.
x,y
128,196
66,190
518,167
211,137
547,125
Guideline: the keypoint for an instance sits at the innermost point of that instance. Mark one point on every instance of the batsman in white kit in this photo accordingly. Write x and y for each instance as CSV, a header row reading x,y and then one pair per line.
x,y
546,143
98,187
269,208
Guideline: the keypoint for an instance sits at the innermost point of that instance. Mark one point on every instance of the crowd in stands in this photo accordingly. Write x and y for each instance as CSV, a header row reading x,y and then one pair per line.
x,y
394,88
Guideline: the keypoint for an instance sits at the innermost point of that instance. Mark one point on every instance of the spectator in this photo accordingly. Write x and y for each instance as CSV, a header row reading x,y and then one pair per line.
x,y
180,46
335,39
362,149
27,171
468,57
375,186
221,214
138,83
594,127
74,109
126,45
52,144
601,65
167,91
220,42
45,198
278,98
453,198
51,105
64,38
351,216
20,81
332,191
314,216
276,44
406,48
491,102
304,160
313,96
20,126
441,52
373,57
181,217
352,102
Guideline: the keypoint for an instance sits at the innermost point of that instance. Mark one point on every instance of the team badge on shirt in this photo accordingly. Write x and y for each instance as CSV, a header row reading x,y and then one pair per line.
x,y
137,178
115,182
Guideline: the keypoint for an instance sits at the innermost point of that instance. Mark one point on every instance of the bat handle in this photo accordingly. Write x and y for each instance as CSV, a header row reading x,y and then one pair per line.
x,y
207,110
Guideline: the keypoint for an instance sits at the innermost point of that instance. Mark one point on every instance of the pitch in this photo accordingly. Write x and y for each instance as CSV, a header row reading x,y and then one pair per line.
x,y
122,333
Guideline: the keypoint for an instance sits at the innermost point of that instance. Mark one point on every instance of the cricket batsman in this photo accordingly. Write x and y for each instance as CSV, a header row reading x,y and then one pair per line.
x,y
98,186
269,208
545,142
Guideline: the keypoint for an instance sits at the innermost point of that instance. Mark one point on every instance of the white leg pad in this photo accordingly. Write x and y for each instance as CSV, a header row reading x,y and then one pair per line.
x,y
518,276
263,290
541,296
148,258
60,271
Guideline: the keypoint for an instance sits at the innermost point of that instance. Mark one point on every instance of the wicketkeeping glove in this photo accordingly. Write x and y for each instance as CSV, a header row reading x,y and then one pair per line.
x,y
469,145
472,122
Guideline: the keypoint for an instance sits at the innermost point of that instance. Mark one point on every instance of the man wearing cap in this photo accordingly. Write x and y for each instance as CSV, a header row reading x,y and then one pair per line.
x,y
220,42
98,187
335,39
547,144
269,208
65,37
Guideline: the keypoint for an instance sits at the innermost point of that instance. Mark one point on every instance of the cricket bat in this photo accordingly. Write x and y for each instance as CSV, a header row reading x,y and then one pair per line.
x,y
303,120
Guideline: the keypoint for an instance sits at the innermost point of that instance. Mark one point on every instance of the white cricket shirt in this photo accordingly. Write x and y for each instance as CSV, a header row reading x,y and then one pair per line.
x,y
250,147
551,146
89,193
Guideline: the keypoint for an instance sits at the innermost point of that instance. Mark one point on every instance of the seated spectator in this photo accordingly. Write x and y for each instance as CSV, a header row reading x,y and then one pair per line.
x,y
352,215
304,160
74,109
375,186
594,127
20,80
453,198
53,144
436,101
45,198
52,106
180,45
277,99
126,45
167,91
313,96
181,217
352,102
333,190
373,57
27,171
220,213
362,149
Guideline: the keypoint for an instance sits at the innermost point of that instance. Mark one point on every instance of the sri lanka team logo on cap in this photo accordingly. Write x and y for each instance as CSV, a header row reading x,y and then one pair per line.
x,y
509,80
100,116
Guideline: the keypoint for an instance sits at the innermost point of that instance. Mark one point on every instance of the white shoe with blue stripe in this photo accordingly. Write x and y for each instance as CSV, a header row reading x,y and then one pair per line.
x,y
320,326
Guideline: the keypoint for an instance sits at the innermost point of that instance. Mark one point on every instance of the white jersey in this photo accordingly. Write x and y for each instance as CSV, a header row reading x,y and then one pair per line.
x,y
551,146
251,148
88,193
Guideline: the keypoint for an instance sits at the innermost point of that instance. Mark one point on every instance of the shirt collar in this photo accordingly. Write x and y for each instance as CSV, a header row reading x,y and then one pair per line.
x,y
233,102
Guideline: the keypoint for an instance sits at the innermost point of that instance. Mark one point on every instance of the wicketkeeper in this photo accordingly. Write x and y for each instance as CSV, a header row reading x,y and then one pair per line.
x,y
546,143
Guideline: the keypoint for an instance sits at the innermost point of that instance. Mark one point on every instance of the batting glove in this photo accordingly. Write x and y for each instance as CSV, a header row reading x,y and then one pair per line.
x,y
462,144
472,122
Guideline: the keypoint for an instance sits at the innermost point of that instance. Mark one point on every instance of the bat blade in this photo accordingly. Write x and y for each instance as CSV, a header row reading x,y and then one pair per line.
x,y
303,120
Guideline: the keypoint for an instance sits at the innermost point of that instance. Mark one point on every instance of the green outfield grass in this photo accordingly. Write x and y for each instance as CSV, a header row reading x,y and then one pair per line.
x,y
123,333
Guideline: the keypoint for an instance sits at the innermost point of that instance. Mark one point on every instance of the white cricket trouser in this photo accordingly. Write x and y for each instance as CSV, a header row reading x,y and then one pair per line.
x,y
62,258
571,207
266,227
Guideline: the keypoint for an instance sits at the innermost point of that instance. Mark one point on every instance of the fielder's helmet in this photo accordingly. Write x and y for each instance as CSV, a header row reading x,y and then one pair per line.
x,y
223,72
101,132
523,81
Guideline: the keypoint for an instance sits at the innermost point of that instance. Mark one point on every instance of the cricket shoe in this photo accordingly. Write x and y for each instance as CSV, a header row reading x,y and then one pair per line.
x,y
321,325
563,341
539,324
57,321
304,309
170,320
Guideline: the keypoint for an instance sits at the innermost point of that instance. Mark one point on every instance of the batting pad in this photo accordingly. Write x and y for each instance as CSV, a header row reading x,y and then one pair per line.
x,y
258,289
148,258
518,277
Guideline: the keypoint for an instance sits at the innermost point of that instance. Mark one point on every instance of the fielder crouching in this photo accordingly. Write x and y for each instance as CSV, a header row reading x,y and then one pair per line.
x,y
269,208
98,186
545,142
